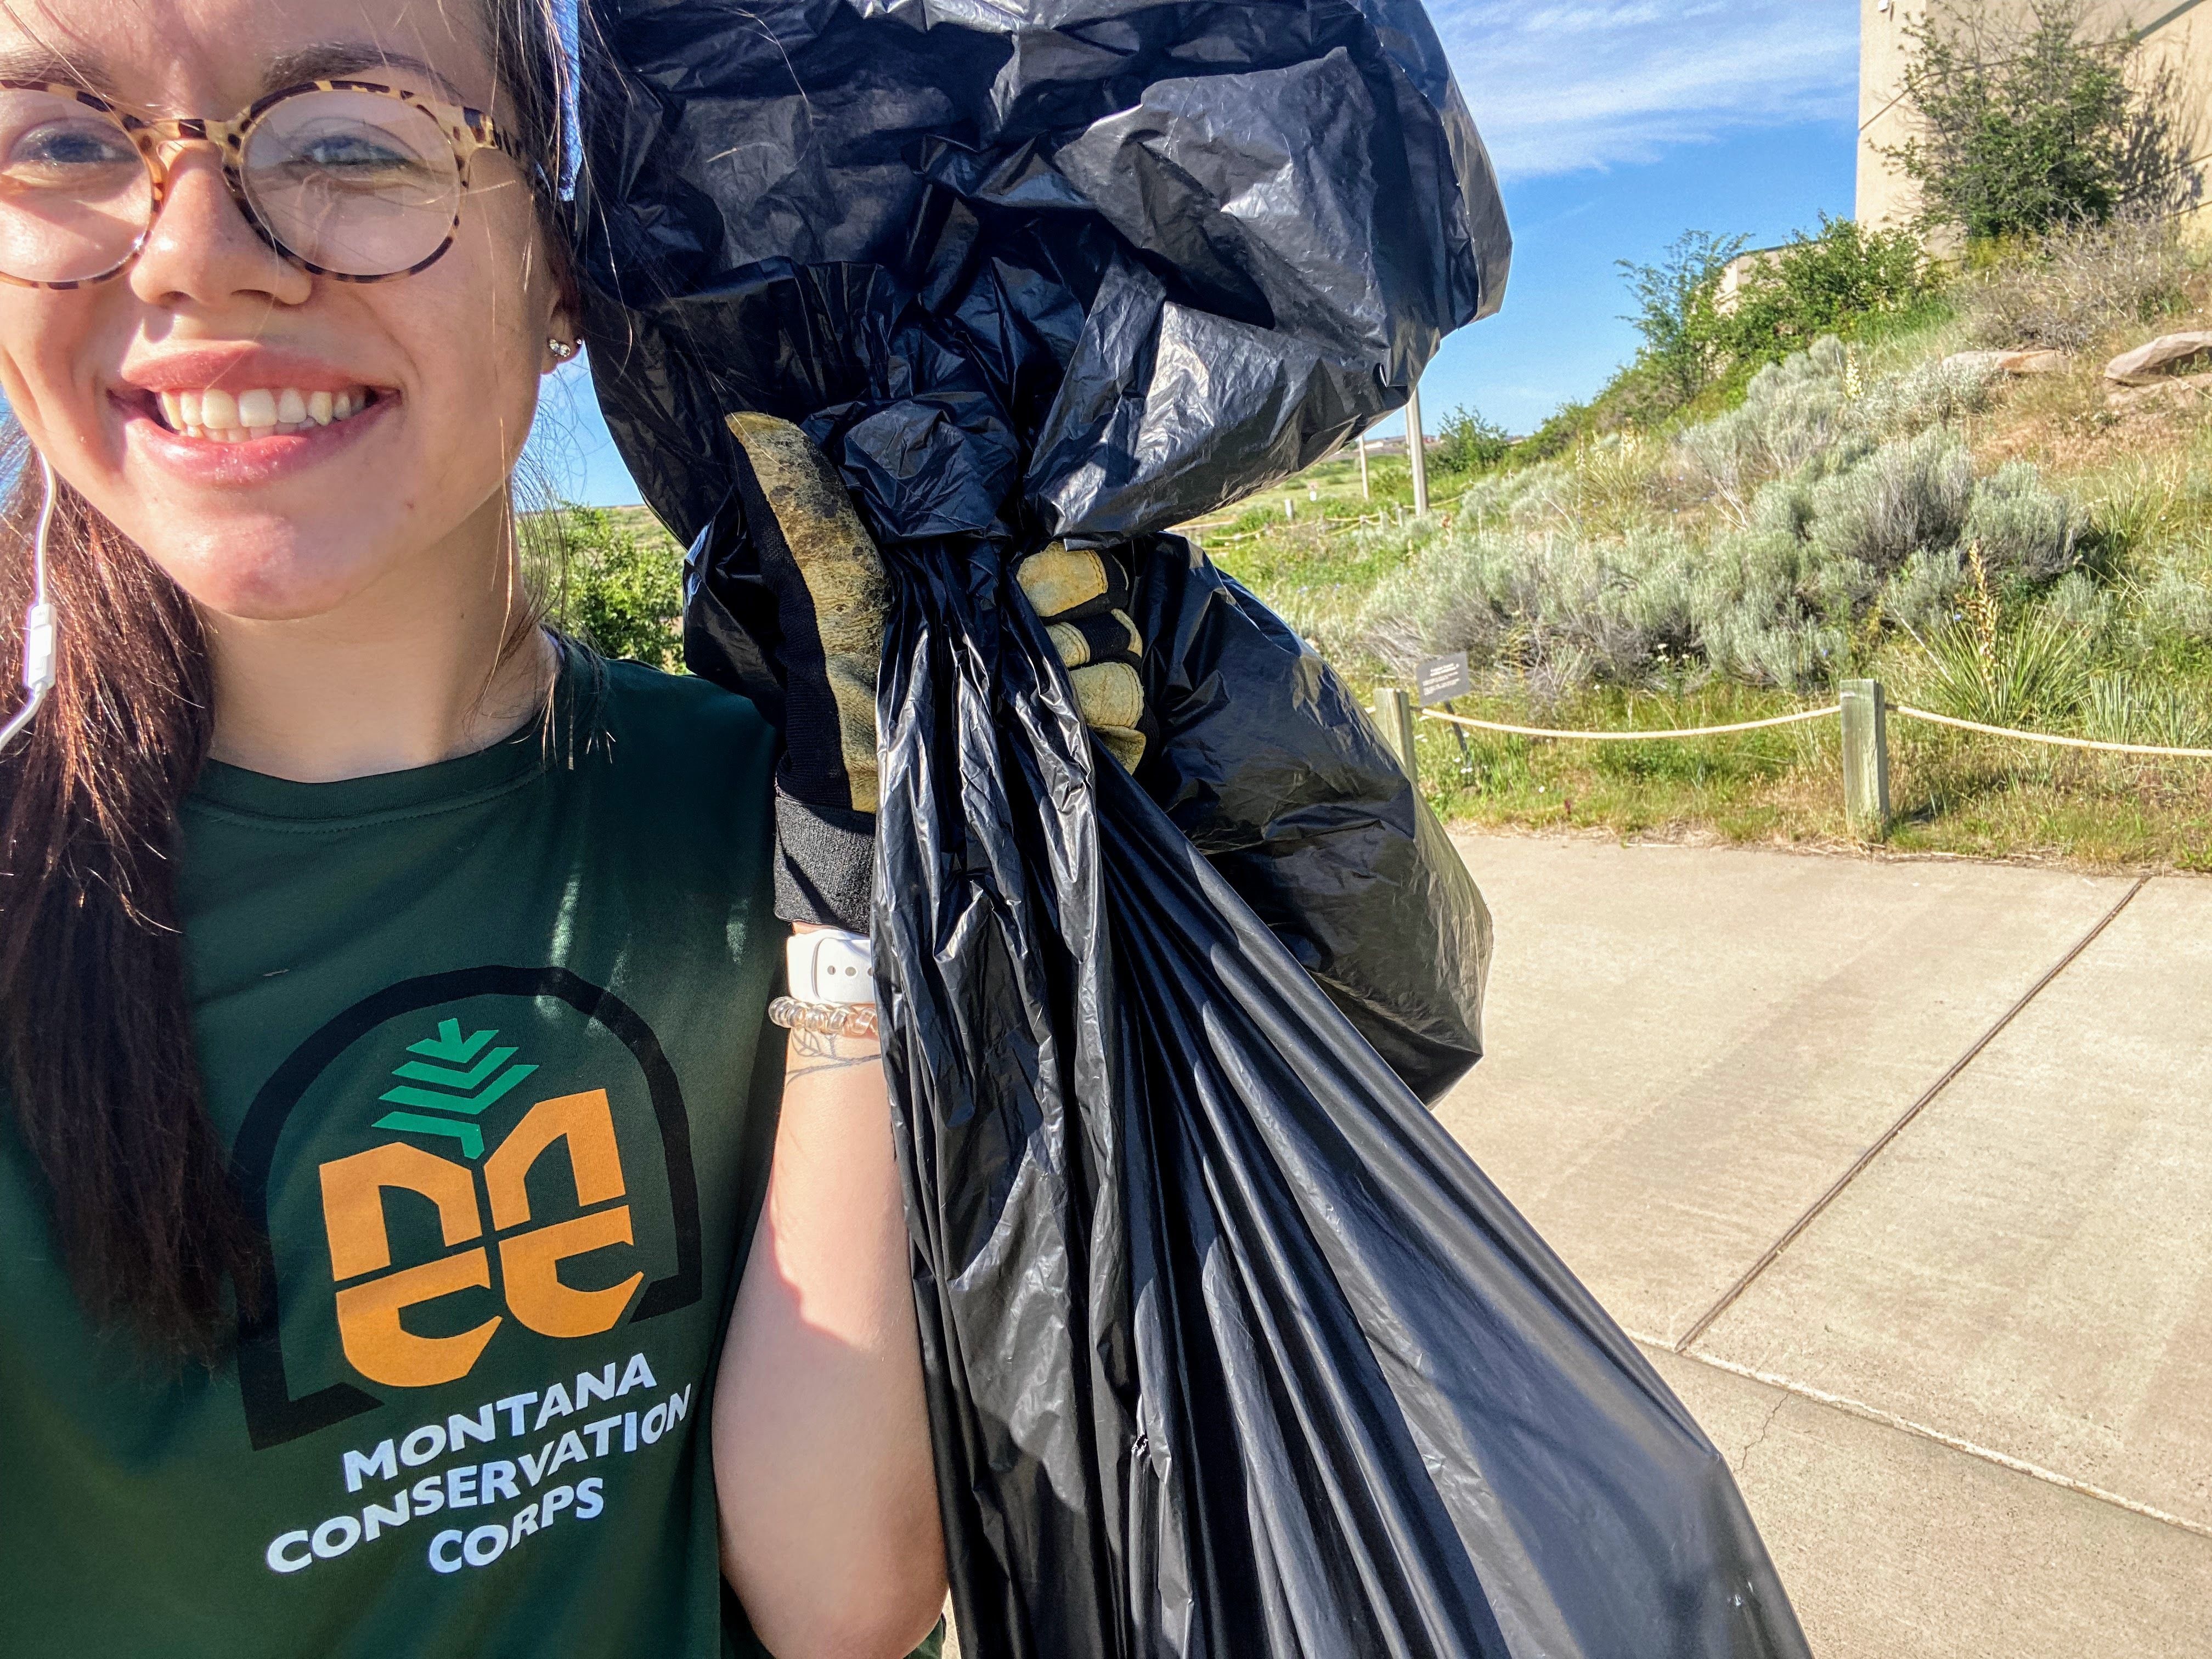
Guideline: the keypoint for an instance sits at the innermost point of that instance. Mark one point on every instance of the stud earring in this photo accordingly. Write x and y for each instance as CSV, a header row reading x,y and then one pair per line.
x,y
563,349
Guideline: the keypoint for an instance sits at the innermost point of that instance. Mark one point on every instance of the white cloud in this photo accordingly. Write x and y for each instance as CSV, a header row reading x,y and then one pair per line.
x,y
1568,85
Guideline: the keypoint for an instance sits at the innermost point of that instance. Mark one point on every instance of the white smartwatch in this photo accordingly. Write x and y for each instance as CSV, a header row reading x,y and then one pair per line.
x,y
831,966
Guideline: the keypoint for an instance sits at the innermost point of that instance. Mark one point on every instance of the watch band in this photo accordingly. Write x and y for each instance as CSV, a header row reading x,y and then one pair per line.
x,y
831,966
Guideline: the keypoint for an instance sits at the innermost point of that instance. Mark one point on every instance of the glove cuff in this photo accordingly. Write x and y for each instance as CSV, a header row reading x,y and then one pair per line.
x,y
825,864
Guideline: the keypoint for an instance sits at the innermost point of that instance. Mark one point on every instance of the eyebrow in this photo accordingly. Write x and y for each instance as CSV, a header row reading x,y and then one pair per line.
x,y
338,60
39,62
329,60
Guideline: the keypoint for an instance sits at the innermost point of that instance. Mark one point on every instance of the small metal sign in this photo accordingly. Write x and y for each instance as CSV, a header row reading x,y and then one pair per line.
x,y
1439,679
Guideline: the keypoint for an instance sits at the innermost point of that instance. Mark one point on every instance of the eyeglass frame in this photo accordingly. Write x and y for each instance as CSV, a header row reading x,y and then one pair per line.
x,y
469,130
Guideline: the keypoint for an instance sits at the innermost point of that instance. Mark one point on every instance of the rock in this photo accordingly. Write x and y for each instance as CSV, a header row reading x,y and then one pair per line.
x,y
2167,356
2172,390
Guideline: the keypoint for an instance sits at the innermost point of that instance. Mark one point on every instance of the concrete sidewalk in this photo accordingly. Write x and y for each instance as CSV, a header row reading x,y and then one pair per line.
x,y
1970,1399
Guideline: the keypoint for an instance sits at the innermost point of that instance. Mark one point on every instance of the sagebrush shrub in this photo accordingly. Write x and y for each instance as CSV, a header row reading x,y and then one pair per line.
x,y
2175,604
1909,494
1792,411
1921,595
2021,528
1804,415
1851,498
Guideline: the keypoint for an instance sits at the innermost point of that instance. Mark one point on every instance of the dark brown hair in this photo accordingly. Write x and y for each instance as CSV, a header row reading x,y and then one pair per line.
x,y
95,1027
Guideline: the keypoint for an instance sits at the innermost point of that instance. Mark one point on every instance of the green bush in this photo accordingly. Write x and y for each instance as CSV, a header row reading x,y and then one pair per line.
x,y
1674,311
1829,282
2025,126
2027,674
618,589
2128,708
1468,444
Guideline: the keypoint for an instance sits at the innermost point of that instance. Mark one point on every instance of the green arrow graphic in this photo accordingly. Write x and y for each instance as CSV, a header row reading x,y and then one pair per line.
x,y
449,1044
446,1078
449,1086
472,1104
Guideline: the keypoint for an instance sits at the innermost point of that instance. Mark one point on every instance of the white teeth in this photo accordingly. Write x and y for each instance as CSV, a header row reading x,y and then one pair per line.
x,y
220,417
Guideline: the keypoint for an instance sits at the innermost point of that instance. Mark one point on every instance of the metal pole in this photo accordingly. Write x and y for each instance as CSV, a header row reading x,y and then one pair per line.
x,y
1393,714
1365,494
1417,452
1866,758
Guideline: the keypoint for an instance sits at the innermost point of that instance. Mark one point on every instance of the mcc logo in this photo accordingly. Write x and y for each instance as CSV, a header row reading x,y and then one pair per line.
x,y
420,1241
372,1295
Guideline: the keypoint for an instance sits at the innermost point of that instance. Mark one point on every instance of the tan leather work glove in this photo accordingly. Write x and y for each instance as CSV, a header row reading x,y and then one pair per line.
x,y
832,600
832,597
1083,597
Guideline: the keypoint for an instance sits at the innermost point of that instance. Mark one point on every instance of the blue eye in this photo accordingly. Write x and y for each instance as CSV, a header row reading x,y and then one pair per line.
x,y
72,147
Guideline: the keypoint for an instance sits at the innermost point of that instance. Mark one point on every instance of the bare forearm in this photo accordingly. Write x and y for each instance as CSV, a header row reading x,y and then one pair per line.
x,y
830,1524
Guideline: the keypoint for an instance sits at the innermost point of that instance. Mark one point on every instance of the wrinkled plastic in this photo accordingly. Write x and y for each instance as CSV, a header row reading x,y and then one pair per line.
x,y
1067,266
1231,1350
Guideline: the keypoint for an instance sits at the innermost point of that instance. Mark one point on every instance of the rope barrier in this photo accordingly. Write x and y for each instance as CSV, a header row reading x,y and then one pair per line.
x,y
2046,737
1903,709
1636,737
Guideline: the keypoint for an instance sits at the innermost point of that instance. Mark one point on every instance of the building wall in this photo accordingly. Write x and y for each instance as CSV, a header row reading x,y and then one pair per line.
x,y
2178,31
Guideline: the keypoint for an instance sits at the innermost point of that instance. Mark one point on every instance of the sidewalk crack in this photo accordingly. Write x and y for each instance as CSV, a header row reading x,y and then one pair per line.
x,y
1743,1457
1790,1388
1859,1165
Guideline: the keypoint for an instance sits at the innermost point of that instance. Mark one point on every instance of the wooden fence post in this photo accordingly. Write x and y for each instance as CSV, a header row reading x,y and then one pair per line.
x,y
1866,758
1365,494
1394,713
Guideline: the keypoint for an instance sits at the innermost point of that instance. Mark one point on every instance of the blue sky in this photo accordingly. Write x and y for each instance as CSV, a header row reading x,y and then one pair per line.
x,y
1616,124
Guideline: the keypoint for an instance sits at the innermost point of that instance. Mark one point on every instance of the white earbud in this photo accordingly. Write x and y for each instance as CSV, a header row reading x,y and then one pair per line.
x,y
39,630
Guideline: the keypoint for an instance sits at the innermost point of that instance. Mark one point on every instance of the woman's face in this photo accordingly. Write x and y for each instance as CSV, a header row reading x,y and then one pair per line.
x,y
439,367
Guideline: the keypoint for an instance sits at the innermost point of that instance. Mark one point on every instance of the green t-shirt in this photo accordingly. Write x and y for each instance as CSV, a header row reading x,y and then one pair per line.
x,y
486,1039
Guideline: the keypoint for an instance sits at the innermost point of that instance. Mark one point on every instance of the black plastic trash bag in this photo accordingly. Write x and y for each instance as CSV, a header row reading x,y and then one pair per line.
x,y
1231,1350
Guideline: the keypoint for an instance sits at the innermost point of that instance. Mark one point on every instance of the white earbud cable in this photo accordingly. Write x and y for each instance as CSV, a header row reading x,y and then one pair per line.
x,y
39,629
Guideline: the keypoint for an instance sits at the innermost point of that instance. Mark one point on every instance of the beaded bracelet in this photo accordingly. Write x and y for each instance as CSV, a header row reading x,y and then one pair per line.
x,y
851,1019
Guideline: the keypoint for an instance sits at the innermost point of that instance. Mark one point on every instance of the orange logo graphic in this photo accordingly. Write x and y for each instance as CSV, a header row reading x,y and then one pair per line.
x,y
372,1294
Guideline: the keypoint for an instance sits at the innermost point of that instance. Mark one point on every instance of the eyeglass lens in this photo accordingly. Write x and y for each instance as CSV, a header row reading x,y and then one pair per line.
x,y
74,194
355,183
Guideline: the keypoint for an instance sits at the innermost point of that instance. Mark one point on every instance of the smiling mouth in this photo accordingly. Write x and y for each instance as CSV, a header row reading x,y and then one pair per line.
x,y
216,415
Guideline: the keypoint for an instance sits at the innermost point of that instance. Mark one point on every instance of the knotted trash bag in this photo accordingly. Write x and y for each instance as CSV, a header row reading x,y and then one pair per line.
x,y
1231,1350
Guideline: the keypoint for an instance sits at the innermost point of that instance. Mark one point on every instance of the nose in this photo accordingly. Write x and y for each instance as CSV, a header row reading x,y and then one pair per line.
x,y
202,252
